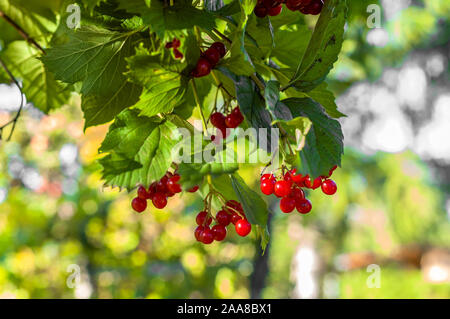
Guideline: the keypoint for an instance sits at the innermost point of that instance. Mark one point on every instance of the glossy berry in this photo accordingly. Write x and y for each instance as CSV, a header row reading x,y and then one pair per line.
x,y
243,227
220,47
313,185
287,204
207,236
304,206
275,11
329,187
178,54
176,43
193,189
267,186
198,232
282,188
203,219
203,68
212,55
172,184
142,193
139,204
297,194
161,185
332,171
235,217
217,119
169,45
159,200
219,232
223,218
232,120
235,205
261,11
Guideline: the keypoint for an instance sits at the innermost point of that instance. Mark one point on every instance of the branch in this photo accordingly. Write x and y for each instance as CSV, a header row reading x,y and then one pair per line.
x,y
21,31
13,122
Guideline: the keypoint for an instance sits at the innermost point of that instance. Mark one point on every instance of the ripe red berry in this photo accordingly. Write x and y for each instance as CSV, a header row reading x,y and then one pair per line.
x,y
207,236
282,188
266,176
176,43
288,177
275,11
304,206
219,232
313,185
159,200
332,170
287,204
232,120
329,187
234,205
169,45
217,119
219,46
267,186
172,184
203,68
223,218
161,185
212,55
193,189
297,194
142,193
198,232
202,220
243,227
261,11
235,217
178,54
139,204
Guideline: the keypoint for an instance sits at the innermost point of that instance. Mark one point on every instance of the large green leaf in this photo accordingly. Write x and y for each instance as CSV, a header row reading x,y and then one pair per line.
x,y
323,48
324,142
193,173
39,85
142,140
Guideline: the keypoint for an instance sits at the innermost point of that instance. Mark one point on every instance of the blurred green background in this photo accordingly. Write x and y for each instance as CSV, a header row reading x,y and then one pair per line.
x,y
392,208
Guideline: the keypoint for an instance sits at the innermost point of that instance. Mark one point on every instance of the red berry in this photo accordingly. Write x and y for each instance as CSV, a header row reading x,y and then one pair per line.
x,y
223,218
203,68
178,54
235,217
297,194
304,206
288,177
237,112
172,184
261,11
193,189
198,232
161,186
234,205
207,236
282,188
169,45
232,121
217,119
243,227
142,193
219,46
313,8
329,187
139,204
212,55
332,170
267,186
287,204
266,176
313,185
201,219
297,179
159,200
275,11
176,43
219,232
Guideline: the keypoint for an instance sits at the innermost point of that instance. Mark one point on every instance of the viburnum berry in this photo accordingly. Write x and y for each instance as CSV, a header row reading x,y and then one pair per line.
x,y
178,54
159,200
203,68
235,217
207,236
313,185
193,189
176,43
198,232
172,184
219,232
261,11
142,193
332,171
297,194
220,47
267,176
329,187
217,119
139,204
234,205
161,185
212,55
267,186
303,206
274,11
203,219
223,218
282,188
243,227
287,204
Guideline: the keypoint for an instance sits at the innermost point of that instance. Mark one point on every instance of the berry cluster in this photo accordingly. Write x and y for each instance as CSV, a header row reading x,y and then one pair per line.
x,y
175,45
209,59
274,7
289,188
222,121
159,192
231,213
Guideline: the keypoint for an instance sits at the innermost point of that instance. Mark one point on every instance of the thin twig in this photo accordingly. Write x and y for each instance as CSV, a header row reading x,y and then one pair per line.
x,y
16,118
21,31
223,36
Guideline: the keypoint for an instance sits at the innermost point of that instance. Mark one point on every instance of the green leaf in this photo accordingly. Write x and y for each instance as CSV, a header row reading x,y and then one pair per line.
x,y
324,142
39,85
277,110
143,140
323,48
193,173
326,98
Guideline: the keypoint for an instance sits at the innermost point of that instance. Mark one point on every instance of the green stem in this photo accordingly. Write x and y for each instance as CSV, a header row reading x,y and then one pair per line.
x,y
197,101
